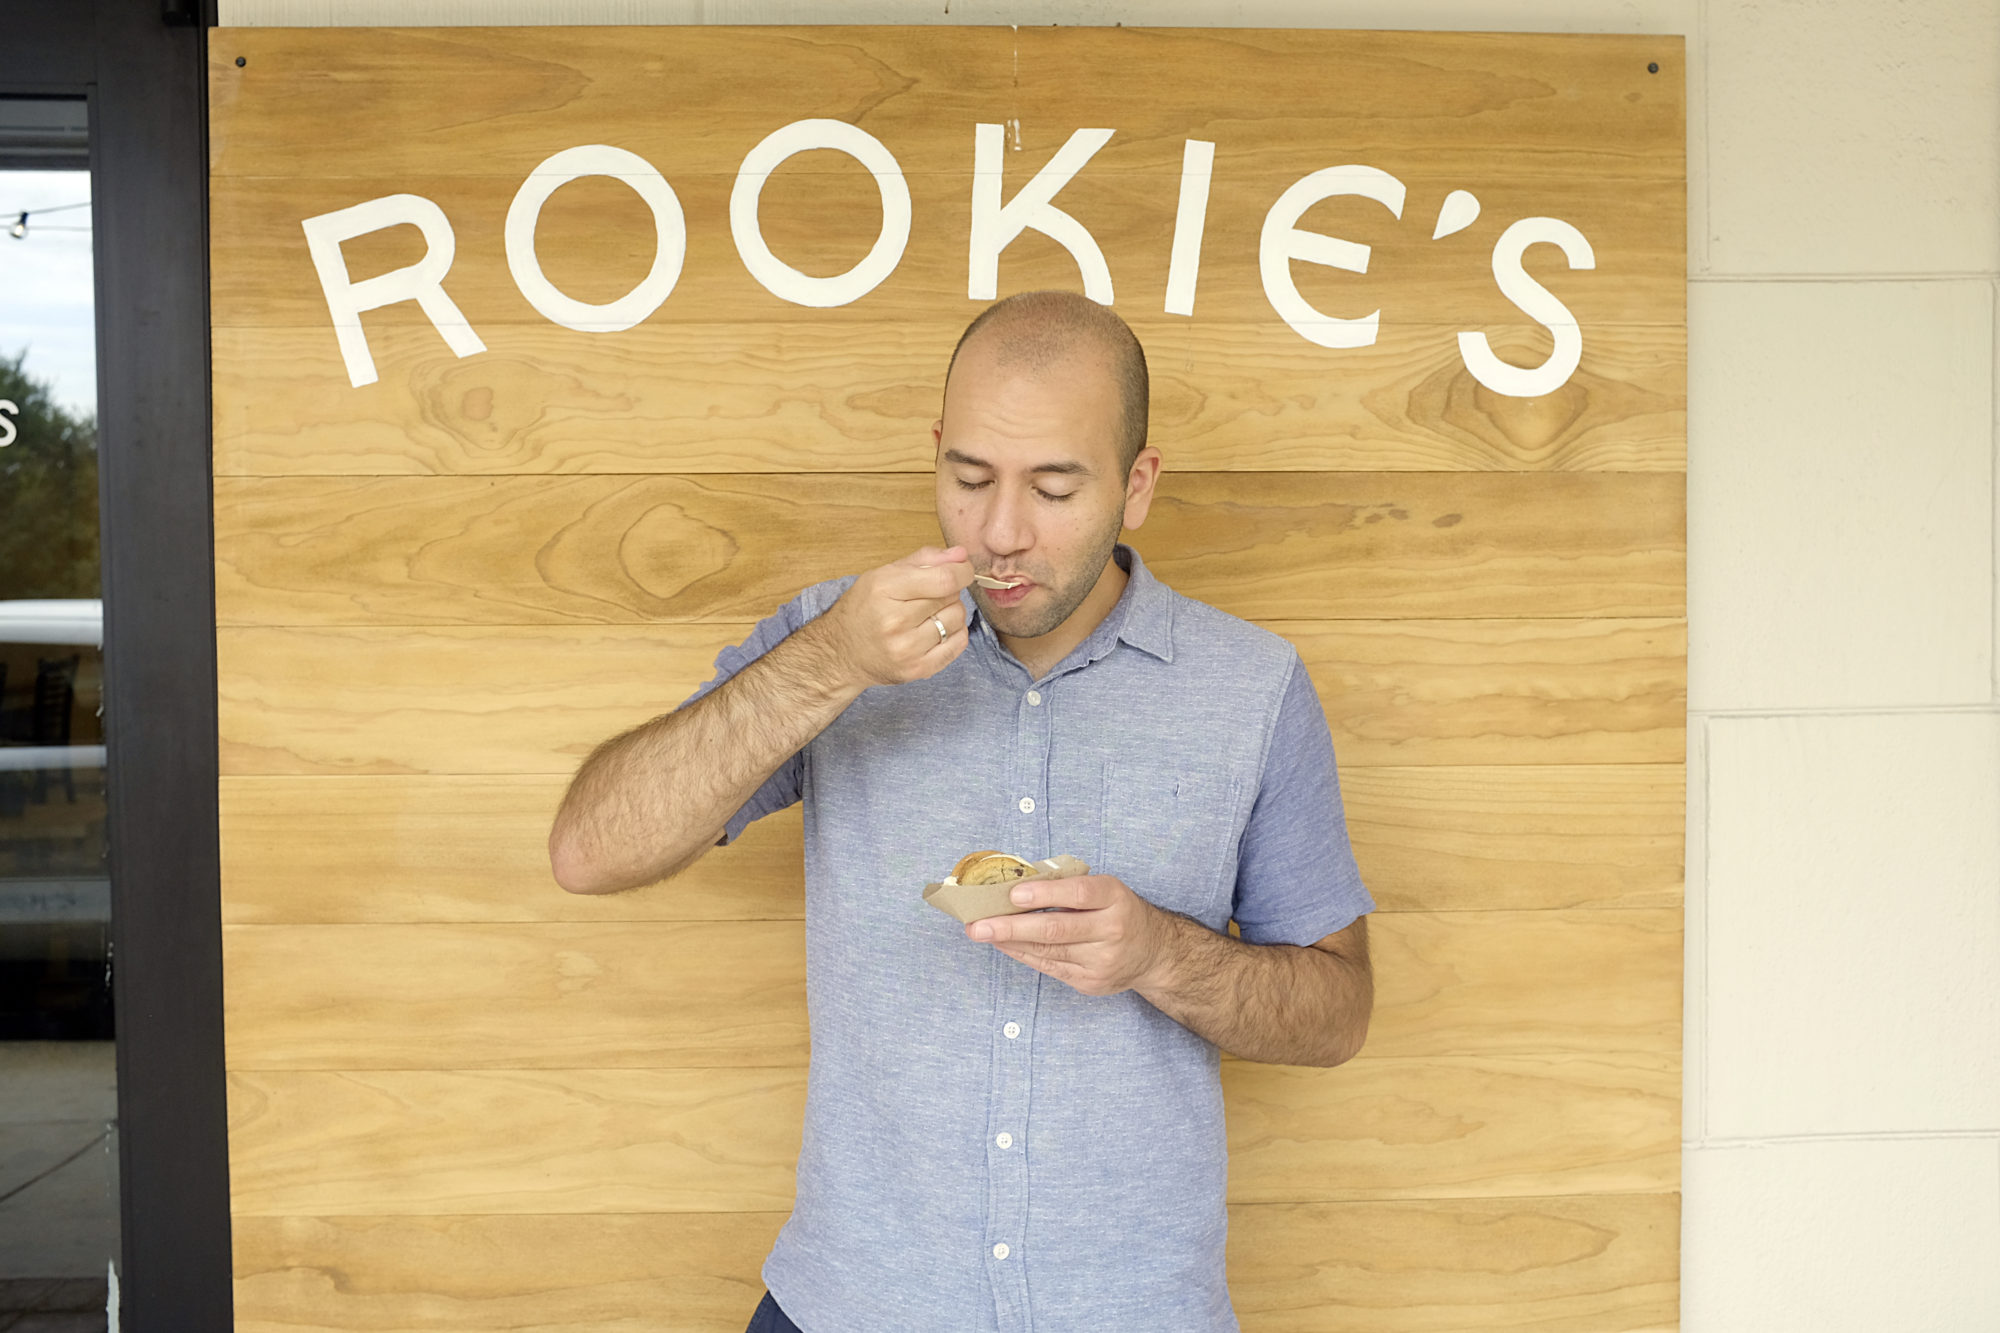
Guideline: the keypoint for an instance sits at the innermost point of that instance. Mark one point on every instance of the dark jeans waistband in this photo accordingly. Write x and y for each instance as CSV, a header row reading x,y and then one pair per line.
x,y
768,1318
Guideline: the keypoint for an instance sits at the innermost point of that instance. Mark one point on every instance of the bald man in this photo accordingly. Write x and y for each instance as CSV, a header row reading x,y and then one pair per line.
x,y
1017,1124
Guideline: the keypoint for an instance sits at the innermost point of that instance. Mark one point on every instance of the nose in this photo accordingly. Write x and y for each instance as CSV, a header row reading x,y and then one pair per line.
x,y
1006,528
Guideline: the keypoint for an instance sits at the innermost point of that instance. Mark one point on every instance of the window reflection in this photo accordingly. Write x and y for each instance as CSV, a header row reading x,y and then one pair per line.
x,y
58,1081
55,895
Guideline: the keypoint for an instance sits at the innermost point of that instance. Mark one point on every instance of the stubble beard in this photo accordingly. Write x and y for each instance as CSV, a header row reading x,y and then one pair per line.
x,y
1064,600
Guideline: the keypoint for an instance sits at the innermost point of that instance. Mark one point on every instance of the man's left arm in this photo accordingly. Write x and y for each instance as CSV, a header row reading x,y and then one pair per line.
x,y
1285,1004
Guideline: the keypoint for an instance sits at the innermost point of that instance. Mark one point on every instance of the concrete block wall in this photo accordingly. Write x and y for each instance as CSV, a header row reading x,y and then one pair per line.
x,y
1842,1168
1842,1109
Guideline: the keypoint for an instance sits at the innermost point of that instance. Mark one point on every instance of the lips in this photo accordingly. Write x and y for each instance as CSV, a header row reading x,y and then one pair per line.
x,y
1008,596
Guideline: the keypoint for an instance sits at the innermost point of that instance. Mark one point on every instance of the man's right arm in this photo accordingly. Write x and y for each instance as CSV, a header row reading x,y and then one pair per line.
x,y
648,803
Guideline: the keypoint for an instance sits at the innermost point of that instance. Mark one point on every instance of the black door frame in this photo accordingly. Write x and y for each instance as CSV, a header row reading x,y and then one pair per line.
x,y
142,65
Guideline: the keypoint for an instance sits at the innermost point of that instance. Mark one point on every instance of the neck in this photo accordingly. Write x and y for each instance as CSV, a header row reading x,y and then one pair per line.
x,y
1045,650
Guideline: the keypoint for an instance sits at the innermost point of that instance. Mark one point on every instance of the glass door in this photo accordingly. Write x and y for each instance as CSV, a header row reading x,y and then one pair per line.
x,y
59,1215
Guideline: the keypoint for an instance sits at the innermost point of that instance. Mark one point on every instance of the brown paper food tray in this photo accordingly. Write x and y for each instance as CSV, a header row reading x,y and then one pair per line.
x,y
970,902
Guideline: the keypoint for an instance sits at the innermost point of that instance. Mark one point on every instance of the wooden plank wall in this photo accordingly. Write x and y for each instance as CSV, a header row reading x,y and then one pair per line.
x,y
463,1099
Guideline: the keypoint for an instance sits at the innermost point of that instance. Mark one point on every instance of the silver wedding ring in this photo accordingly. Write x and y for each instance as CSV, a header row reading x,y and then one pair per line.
x,y
939,622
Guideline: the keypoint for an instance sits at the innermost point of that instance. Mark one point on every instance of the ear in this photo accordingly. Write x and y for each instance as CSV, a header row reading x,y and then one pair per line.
x,y
937,438
1139,483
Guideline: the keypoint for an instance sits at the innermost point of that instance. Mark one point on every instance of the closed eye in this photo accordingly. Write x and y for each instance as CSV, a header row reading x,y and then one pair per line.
x,y
965,485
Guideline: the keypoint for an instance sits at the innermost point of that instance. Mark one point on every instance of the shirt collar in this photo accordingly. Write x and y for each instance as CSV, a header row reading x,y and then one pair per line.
x,y
1147,607
1142,617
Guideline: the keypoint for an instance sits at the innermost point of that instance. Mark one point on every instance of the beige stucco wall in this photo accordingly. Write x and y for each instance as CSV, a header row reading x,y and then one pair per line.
x,y
1842,1108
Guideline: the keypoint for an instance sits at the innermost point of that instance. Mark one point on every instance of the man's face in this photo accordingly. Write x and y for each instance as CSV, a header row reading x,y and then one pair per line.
x,y
1029,482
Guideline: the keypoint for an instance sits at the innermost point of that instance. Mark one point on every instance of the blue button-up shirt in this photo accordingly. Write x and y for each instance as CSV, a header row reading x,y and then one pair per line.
x,y
985,1149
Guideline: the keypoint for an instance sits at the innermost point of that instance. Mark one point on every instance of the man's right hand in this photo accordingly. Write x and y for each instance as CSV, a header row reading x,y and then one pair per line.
x,y
649,802
884,628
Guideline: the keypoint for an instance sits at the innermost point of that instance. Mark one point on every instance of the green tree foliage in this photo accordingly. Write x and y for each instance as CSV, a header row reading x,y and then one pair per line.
x,y
48,494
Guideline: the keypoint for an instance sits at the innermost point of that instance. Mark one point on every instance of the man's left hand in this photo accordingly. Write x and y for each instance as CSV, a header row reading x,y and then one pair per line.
x,y
1108,939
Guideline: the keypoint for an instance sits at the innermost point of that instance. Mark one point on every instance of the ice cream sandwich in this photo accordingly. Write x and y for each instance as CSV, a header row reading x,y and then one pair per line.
x,y
982,883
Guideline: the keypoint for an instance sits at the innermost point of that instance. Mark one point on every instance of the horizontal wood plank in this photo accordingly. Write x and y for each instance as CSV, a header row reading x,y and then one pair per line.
x,y
338,850
601,1140
799,396
1499,691
533,699
341,850
516,995
624,994
514,1141
1575,1264
611,1272
495,100
610,549
1442,838
1612,1124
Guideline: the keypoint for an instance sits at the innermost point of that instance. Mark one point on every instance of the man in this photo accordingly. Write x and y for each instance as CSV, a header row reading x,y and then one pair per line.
x,y
1017,1124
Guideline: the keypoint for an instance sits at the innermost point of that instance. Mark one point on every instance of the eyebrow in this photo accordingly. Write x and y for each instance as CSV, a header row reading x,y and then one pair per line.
x,y
1066,469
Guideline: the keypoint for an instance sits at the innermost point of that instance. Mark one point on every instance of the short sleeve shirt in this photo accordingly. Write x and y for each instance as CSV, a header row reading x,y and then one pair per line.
x,y
986,1149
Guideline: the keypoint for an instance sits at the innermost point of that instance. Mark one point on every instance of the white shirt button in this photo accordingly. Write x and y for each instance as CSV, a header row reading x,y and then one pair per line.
x,y
1012,1030
1001,1251
1034,698
1005,1140
1027,805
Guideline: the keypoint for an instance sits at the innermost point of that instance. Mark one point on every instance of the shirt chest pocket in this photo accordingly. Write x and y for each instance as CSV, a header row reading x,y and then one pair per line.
x,y
1168,831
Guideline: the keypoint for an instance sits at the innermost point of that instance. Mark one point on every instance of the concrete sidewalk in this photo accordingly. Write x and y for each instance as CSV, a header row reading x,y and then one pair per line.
x,y
58,1184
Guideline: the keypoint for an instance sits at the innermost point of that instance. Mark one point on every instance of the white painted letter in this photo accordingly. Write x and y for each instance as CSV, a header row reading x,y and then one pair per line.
x,y
1282,242
994,226
7,412
669,238
1197,165
1461,210
780,278
422,282
1538,304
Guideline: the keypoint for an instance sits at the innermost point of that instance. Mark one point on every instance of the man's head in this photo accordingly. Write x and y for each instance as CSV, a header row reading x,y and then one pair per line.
x,y
1037,331
1042,457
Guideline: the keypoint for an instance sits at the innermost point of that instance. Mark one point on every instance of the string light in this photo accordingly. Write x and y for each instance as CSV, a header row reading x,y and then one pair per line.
x,y
19,229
